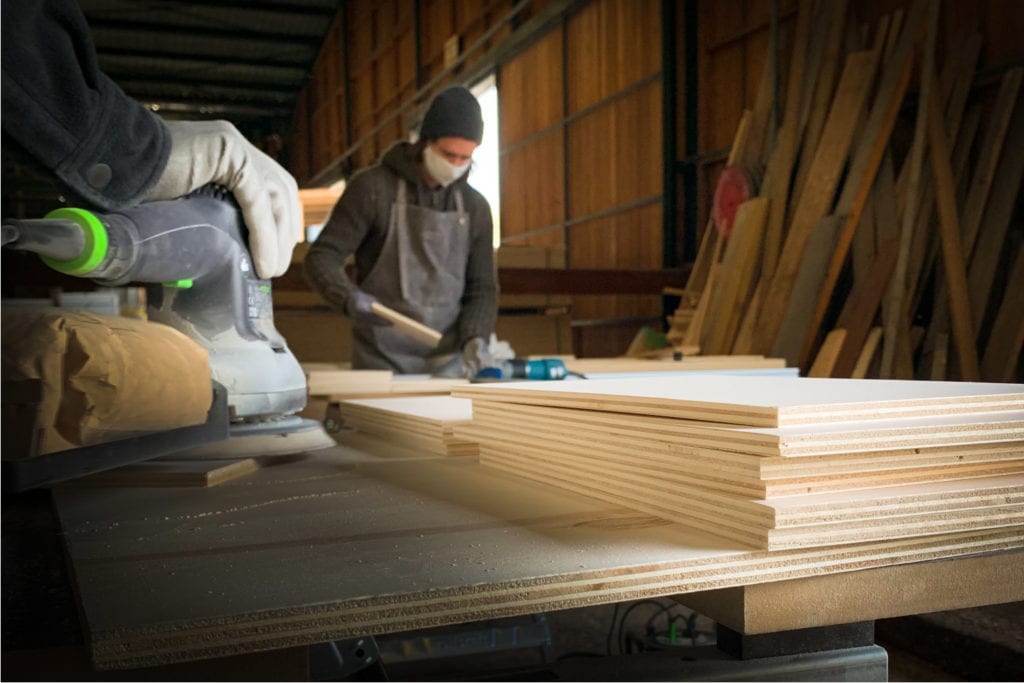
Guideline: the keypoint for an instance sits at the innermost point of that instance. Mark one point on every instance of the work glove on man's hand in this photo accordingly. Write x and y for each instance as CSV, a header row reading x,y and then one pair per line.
x,y
204,152
475,357
360,309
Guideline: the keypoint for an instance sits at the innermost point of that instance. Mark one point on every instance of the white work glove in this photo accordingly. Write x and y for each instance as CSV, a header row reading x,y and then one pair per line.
x,y
475,357
204,152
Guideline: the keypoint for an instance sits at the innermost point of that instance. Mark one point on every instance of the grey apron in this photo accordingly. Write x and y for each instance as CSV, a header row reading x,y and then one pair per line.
x,y
421,273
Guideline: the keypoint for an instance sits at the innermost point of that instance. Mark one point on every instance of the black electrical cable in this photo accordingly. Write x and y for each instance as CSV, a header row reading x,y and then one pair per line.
x,y
625,615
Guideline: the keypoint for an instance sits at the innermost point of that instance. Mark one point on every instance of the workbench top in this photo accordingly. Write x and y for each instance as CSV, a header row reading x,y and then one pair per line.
x,y
343,543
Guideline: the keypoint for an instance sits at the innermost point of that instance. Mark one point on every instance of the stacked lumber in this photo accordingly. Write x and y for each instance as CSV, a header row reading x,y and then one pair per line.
x,y
338,381
419,421
600,366
848,226
773,462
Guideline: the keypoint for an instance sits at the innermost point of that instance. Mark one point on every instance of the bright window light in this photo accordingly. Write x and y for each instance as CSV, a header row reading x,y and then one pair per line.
x,y
484,176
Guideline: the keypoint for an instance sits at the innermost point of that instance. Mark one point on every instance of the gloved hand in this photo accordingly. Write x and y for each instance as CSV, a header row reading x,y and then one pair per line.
x,y
360,309
475,356
205,152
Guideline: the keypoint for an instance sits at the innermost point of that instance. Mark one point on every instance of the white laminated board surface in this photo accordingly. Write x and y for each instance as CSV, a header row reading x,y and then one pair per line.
x,y
330,545
759,401
434,408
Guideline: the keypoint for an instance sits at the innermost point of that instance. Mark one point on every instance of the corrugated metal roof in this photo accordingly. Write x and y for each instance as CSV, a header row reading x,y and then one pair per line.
x,y
242,60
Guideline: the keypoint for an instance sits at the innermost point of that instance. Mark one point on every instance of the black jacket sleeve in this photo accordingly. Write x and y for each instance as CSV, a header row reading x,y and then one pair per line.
x,y
63,110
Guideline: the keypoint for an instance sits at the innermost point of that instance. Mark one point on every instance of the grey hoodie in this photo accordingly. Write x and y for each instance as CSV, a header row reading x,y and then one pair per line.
x,y
358,225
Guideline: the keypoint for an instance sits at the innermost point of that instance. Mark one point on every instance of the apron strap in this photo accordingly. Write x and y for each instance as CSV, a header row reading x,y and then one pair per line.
x,y
458,202
401,203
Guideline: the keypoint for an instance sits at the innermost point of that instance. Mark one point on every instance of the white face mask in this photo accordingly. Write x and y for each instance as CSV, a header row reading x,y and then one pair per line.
x,y
440,169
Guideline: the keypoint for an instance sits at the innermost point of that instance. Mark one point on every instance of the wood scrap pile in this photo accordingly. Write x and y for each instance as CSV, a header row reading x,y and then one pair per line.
x,y
773,462
422,422
857,255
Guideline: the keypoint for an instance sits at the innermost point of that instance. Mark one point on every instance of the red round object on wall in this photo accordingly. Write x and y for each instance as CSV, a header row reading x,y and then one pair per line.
x,y
734,188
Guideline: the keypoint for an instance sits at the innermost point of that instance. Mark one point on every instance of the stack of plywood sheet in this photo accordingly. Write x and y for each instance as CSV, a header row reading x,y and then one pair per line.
x,y
775,462
340,381
417,421
624,365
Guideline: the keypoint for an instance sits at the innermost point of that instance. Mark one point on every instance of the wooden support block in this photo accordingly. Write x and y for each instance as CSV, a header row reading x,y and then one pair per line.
x,y
861,596
826,169
952,248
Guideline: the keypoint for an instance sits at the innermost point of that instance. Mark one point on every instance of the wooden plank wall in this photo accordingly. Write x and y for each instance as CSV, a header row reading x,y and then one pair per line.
x,y
734,38
581,138
378,40
734,41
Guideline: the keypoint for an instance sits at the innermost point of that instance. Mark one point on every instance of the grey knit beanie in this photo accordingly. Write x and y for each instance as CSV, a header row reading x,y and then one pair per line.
x,y
454,112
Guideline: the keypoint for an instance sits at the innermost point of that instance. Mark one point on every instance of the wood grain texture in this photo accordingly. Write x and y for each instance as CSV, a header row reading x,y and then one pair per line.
x,y
1005,341
912,196
860,308
386,547
823,178
736,276
872,143
952,245
825,362
672,434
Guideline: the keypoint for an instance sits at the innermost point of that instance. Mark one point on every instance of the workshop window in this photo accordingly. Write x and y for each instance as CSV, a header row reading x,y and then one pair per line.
x,y
485,172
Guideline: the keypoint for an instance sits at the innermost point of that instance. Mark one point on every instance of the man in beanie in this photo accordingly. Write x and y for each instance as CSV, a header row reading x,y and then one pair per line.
x,y
421,241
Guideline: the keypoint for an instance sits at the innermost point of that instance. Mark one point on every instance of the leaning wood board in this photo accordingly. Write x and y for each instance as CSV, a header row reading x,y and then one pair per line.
x,y
329,547
760,401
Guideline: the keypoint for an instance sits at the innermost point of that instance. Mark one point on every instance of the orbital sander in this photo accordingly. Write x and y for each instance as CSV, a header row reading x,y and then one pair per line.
x,y
192,255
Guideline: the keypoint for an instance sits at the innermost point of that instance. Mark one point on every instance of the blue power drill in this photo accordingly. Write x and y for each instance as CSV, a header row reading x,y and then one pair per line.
x,y
543,368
